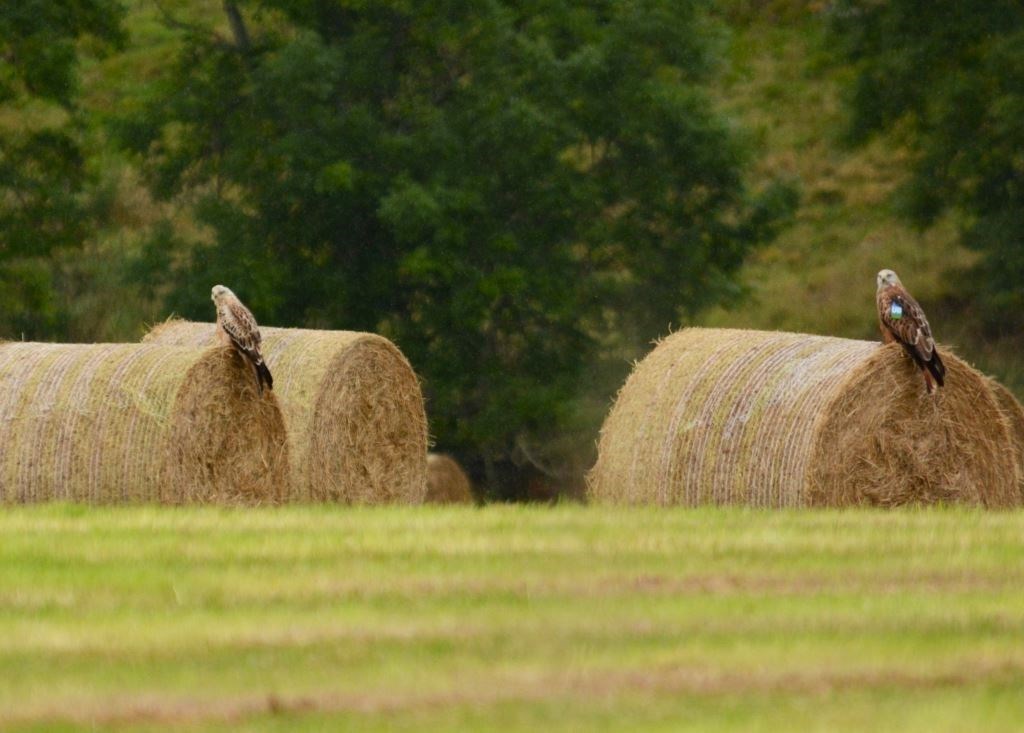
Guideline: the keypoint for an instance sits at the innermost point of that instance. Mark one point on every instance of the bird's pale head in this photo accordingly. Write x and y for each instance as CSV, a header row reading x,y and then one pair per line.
x,y
219,292
886,278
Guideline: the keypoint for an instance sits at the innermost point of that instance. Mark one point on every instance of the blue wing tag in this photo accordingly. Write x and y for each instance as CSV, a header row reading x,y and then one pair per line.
x,y
896,311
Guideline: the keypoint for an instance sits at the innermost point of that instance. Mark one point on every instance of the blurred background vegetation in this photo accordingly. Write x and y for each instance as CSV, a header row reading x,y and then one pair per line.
x,y
522,195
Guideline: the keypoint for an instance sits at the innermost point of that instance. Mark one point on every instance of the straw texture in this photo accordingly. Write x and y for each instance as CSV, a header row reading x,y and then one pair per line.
x,y
353,408
1014,412
111,423
447,483
778,420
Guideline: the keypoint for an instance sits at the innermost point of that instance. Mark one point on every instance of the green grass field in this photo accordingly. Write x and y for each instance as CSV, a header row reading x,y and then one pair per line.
x,y
510,618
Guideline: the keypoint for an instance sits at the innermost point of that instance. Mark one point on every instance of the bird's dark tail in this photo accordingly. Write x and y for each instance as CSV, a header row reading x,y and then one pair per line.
x,y
263,376
937,368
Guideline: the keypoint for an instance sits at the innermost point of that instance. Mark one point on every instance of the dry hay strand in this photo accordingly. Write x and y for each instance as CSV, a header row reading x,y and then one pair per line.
x,y
447,483
1014,413
110,423
357,429
718,416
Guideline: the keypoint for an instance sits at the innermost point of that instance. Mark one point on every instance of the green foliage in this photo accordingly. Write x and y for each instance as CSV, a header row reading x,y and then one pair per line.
x,y
498,186
42,167
41,173
949,76
37,44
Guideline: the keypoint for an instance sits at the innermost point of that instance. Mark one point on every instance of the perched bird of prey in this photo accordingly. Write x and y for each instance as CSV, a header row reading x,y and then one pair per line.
x,y
902,320
237,326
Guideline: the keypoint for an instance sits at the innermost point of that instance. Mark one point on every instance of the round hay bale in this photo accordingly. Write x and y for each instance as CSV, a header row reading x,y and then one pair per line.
x,y
106,423
714,416
1014,412
447,483
352,404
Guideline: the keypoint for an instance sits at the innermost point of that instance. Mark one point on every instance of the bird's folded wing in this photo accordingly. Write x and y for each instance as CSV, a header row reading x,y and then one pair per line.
x,y
242,328
906,319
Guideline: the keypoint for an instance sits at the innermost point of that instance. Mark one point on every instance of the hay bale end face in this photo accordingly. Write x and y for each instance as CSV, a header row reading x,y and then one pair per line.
x,y
106,423
1014,413
447,483
717,416
357,428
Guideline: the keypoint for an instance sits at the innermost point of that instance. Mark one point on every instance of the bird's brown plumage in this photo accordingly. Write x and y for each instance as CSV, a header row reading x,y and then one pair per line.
x,y
237,324
902,319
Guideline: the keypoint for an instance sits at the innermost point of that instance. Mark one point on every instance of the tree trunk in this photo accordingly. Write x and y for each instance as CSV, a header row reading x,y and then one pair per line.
x,y
238,29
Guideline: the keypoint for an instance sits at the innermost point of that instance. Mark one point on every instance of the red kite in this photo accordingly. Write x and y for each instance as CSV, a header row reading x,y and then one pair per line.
x,y
902,320
236,325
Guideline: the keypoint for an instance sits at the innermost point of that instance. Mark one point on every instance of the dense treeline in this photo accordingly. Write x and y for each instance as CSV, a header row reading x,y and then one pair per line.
x,y
45,186
521,195
949,75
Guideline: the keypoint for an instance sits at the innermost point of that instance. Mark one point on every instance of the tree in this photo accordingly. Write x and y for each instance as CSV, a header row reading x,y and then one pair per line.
x,y
501,187
949,77
42,167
